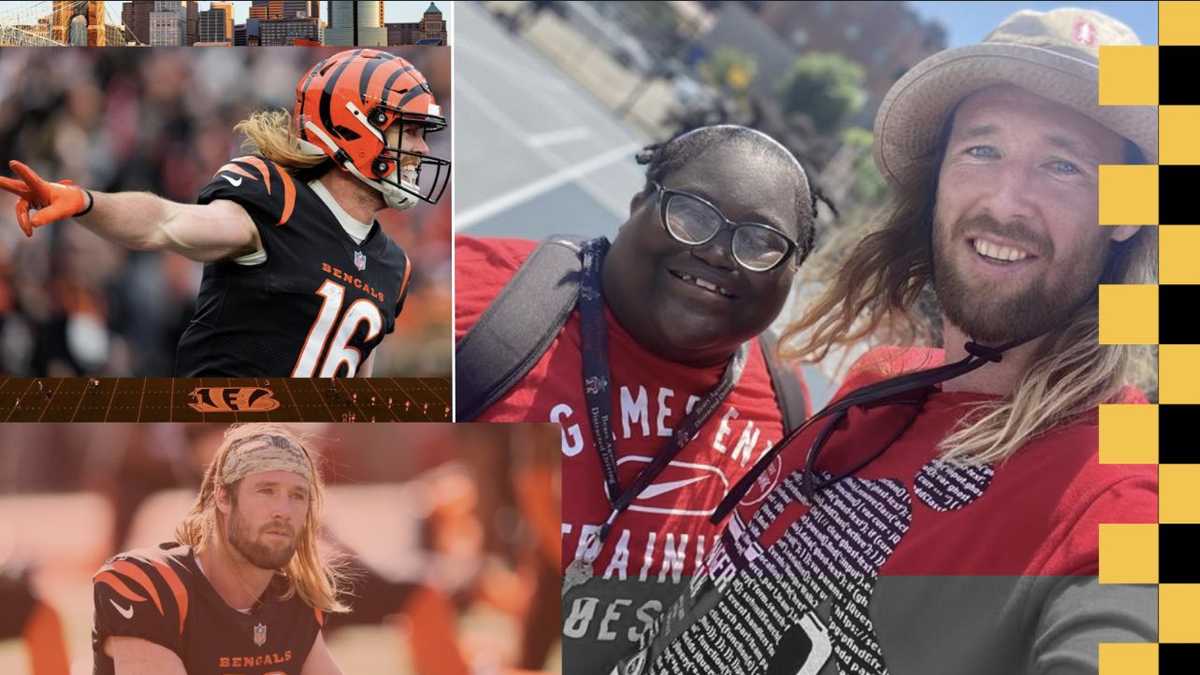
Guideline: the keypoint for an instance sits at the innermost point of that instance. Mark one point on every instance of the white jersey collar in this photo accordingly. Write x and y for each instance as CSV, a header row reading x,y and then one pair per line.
x,y
357,229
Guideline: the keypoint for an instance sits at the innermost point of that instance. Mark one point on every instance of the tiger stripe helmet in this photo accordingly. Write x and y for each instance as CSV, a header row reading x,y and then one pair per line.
x,y
345,106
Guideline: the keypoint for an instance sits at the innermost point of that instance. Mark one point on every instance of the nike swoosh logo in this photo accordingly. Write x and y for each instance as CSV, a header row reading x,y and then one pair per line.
x,y
125,612
663,488
234,183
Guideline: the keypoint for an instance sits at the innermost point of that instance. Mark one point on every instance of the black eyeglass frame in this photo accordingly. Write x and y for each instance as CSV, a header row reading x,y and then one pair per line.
x,y
664,195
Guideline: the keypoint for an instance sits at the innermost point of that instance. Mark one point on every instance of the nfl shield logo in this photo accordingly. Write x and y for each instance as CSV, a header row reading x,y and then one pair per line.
x,y
360,260
260,634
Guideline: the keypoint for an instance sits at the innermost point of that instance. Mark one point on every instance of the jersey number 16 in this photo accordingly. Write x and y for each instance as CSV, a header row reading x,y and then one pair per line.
x,y
310,363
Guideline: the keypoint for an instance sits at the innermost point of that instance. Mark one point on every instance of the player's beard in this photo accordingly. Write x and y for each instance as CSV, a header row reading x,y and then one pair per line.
x,y
993,315
254,549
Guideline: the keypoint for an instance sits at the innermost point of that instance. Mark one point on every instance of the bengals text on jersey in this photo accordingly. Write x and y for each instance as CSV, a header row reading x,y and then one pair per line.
x,y
160,595
314,303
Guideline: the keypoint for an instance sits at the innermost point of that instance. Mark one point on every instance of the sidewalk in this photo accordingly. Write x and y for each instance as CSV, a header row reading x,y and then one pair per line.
x,y
642,101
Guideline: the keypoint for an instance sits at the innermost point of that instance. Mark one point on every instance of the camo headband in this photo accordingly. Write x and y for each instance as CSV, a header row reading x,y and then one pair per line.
x,y
266,452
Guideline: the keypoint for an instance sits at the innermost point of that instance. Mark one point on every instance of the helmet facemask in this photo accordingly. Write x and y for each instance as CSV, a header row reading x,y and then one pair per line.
x,y
342,115
403,172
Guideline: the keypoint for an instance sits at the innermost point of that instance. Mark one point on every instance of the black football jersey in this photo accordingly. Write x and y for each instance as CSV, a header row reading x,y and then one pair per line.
x,y
160,595
315,307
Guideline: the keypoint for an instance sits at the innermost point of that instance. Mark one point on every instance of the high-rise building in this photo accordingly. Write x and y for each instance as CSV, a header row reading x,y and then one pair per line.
x,y
431,29
168,23
216,23
228,7
254,32
294,9
193,21
314,9
135,14
371,32
283,32
115,36
239,35
258,9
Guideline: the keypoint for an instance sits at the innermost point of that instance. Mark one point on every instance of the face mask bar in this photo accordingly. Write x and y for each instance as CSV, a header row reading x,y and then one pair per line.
x,y
394,156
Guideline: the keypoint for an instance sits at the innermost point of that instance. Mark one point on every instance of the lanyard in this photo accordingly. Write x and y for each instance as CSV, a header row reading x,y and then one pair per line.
x,y
596,389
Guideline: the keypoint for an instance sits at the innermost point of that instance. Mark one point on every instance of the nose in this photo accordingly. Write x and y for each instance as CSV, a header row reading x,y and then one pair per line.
x,y
416,142
718,252
1011,196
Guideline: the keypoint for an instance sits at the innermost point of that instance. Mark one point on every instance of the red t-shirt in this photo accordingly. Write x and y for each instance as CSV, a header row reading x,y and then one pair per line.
x,y
665,532
912,565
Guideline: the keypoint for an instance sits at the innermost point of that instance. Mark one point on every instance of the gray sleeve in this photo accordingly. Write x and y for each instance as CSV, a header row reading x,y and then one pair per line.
x,y
1079,613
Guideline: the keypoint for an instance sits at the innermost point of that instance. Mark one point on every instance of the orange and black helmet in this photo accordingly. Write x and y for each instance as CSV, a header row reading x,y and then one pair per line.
x,y
345,106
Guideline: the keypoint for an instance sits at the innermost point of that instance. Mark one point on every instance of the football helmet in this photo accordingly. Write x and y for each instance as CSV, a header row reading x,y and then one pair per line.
x,y
345,107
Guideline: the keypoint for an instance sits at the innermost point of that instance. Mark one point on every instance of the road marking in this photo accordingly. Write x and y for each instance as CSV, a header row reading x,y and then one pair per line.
x,y
570,170
558,136
477,214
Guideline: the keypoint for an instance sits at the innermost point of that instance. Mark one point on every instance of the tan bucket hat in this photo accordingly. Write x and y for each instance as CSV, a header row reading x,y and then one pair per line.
x,y
1053,54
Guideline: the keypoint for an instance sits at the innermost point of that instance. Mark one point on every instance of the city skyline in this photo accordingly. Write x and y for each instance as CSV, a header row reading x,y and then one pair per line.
x,y
394,11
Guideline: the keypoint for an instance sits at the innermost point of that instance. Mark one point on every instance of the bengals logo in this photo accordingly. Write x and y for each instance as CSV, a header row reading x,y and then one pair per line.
x,y
233,399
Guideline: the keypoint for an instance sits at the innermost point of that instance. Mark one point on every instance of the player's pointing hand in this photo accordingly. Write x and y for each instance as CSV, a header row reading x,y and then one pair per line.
x,y
53,201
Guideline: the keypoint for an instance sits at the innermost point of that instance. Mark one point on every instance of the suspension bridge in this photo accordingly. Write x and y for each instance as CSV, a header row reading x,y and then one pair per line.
x,y
28,24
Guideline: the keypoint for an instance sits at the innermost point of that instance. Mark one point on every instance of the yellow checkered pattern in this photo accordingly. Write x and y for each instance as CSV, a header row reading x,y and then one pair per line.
x,y
1129,434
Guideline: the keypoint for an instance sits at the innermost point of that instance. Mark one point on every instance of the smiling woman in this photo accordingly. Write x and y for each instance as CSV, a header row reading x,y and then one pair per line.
x,y
648,353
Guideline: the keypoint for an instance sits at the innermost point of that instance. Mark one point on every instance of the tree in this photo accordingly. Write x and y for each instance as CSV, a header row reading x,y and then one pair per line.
x,y
869,187
729,68
827,88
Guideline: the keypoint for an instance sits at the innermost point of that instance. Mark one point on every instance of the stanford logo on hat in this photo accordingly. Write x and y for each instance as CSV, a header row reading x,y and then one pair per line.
x,y
1084,32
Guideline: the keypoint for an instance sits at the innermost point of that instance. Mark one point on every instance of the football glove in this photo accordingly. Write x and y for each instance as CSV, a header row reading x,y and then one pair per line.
x,y
53,201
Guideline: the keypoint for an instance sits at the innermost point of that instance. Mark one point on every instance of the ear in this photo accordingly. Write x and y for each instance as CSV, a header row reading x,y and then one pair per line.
x,y
1123,232
224,503
639,199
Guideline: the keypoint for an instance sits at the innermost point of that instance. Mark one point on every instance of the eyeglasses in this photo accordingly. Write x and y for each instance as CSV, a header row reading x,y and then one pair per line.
x,y
695,221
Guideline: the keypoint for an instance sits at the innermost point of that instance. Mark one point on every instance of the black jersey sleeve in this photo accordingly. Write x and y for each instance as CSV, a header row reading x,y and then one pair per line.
x,y
406,277
262,187
141,596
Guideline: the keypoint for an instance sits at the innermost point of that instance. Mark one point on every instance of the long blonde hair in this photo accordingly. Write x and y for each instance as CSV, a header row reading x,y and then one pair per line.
x,y
319,580
877,294
271,134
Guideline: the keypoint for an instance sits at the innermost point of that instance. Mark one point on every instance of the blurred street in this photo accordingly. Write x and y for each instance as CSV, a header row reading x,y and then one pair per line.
x,y
537,154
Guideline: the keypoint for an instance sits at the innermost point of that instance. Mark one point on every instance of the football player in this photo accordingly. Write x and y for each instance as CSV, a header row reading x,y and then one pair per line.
x,y
243,589
299,280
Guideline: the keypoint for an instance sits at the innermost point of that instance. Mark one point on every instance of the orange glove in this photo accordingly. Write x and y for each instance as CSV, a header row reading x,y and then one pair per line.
x,y
53,201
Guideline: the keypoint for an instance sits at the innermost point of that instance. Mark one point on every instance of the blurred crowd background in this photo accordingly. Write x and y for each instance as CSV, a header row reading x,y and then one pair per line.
x,y
162,121
459,529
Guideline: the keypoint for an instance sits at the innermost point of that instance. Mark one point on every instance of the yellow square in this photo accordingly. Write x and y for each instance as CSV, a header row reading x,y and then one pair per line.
x,y
1179,494
1128,554
1179,374
1178,141
1128,194
1178,23
1128,314
1130,658
1179,613
1178,253
1128,434
1129,75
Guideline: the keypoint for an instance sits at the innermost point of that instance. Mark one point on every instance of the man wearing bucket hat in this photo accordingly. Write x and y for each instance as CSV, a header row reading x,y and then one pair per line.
x,y
942,515
243,589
